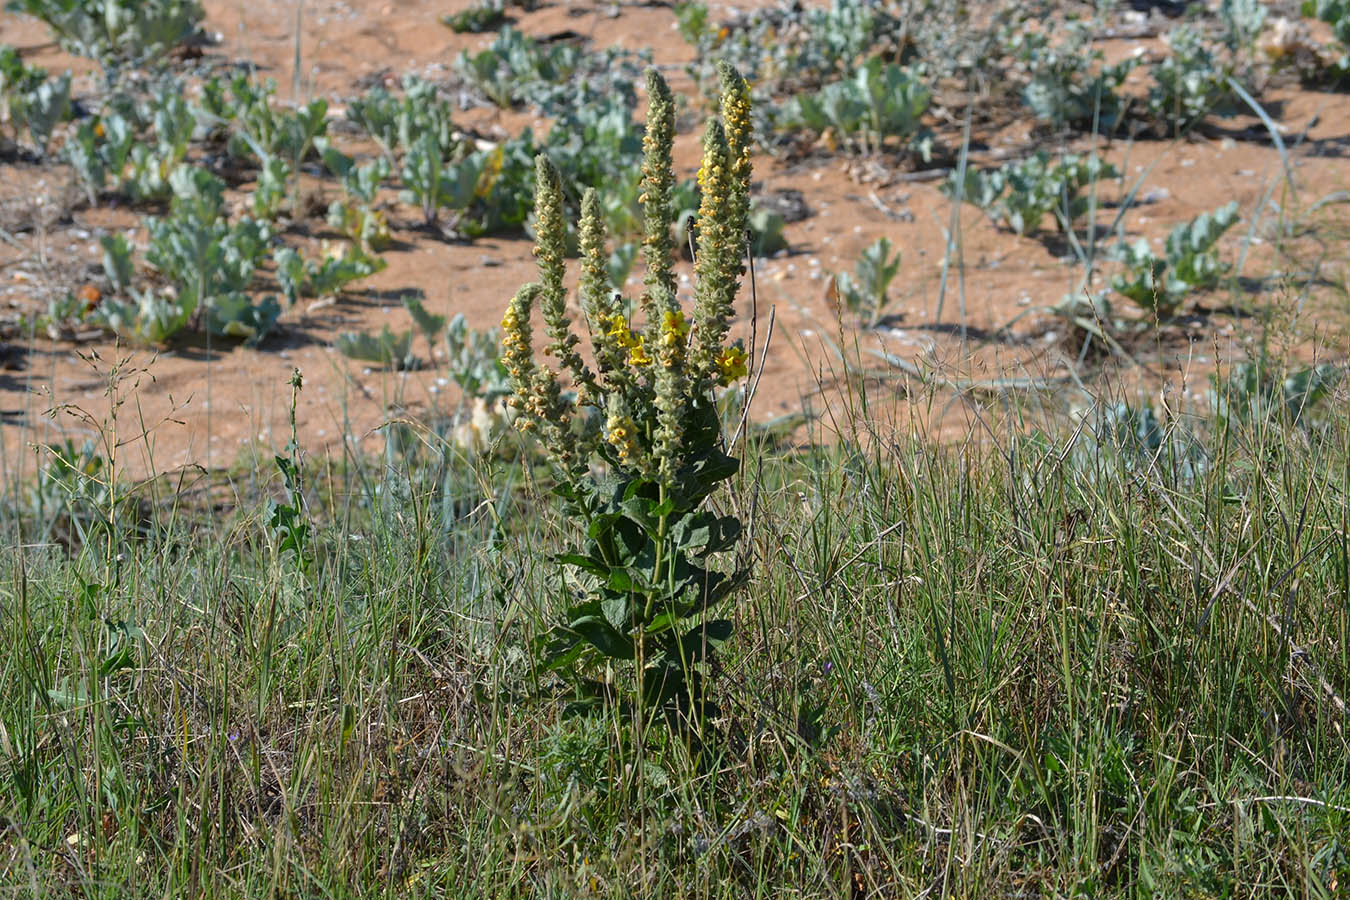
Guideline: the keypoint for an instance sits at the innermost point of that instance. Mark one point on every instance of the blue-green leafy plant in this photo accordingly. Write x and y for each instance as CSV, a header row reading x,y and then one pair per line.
x,y
16,77
866,292
767,231
788,48
516,69
269,195
1160,284
208,264
260,131
1191,83
117,31
1068,83
485,15
433,184
396,122
99,150
880,101
515,64
326,277
118,261
430,324
635,633
473,360
386,348
1242,21
150,163
620,263
30,101
356,215
1021,194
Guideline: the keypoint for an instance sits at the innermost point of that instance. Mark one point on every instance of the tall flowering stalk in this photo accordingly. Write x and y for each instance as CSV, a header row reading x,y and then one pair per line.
x,y
640,584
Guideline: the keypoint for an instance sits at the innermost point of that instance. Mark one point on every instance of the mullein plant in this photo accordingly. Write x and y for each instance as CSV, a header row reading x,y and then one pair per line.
x,y
636,631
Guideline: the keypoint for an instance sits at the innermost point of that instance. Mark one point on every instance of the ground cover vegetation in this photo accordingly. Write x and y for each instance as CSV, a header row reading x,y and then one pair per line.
x,y
599,630
855,76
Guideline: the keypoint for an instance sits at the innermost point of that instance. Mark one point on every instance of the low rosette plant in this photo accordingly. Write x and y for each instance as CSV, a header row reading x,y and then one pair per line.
x,y
637,628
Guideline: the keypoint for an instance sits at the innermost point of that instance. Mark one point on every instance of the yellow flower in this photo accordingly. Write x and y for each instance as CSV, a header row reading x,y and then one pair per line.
x,y
618,329
674,327
731,362
637,355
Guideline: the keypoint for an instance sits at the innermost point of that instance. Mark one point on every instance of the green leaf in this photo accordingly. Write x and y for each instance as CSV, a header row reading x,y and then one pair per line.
x,y
703,534
615,608
701,639
583,562
430,325
385,348
602,636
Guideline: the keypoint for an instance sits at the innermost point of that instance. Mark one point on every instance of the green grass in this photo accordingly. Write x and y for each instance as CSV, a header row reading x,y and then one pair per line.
x,y
1044,666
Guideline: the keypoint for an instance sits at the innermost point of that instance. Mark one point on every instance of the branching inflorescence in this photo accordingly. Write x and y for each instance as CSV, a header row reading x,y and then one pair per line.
x,y
647,379
639,588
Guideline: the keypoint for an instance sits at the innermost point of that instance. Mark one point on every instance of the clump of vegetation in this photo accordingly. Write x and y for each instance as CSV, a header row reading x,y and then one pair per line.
x,y
1159,285
638,589
432,183
485,15
789,47
1021,194
394,349
515,69
867,292
1068,84
1191,82
117,32
1256,394
132,146
340,265
356,215
30,102
208,264
387,348
396,123
1335,13
473,360
881,101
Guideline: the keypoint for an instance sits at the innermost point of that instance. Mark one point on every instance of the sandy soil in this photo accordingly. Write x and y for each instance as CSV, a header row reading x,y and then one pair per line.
x,y
212,405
